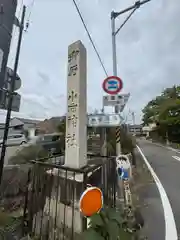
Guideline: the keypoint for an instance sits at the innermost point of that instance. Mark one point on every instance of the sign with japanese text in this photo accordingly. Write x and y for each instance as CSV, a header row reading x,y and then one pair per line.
x,y
104,120
76,118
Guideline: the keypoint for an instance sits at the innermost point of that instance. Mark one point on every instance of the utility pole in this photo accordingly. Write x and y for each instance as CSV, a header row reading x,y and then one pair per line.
x,y
133,119
11,93
103,137
114,15
118,146
7,16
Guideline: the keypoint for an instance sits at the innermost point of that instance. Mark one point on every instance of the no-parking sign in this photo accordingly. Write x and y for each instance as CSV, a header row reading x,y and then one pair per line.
x,y
112,85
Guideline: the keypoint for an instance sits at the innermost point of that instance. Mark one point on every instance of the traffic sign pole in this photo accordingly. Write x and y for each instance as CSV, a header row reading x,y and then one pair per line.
x,y
114,15
118,131
118,145
10,101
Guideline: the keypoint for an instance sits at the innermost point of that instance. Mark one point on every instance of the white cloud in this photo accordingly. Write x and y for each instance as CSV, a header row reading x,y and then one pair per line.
x,y
147,52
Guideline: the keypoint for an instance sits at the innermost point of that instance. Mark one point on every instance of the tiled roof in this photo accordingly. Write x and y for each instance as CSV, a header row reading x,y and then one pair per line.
x,y
25,120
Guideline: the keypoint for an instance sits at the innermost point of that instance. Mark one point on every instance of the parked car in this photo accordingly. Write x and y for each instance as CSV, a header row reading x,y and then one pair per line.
x,y
50,142
15,139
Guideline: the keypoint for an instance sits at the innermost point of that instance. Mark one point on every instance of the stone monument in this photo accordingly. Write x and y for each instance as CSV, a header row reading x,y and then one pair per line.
x,y
61,209
76,118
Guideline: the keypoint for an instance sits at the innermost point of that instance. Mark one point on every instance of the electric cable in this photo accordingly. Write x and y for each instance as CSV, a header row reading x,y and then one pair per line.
x,y
90,38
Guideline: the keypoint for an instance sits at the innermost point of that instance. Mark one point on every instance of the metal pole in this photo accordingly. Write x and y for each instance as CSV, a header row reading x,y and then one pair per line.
x,y
133,118
105,142
10,99
114,15
137,4
114,58
114,44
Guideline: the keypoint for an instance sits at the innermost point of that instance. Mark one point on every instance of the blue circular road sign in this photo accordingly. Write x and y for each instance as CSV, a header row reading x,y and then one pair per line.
x,y
112,85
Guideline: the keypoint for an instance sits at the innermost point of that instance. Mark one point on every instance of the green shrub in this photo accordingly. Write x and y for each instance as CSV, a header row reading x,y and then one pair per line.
x,y
128,142
108,224
26,154
5,219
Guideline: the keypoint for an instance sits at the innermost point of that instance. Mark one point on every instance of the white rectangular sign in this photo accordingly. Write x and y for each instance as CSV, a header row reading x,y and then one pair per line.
x,y
115,100
1,58
104,120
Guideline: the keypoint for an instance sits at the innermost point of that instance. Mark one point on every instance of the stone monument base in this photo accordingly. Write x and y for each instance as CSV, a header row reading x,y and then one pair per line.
x,y
61,210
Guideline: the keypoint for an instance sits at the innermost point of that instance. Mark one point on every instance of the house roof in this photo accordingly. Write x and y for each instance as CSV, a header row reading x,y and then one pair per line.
x,y
25,120
21,121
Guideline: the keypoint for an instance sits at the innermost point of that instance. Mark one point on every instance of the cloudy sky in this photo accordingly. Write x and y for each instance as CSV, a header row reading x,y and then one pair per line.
x,y
148,52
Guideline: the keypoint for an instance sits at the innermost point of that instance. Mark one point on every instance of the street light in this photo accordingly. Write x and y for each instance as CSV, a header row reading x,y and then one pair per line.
x,y
114,15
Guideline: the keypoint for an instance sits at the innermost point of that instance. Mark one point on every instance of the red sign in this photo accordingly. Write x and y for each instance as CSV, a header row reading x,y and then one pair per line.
x,y
112,85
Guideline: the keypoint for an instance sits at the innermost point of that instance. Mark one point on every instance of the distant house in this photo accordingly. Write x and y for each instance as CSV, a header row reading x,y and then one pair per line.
x,y
135,129
49,125
147,129
20,125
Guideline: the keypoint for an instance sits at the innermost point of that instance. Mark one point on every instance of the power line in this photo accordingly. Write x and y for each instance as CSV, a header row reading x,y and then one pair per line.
x,y
95,49
29,16
30,12
16,27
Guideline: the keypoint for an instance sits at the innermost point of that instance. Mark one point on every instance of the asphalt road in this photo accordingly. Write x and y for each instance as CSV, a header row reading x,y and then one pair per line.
x,y
164,210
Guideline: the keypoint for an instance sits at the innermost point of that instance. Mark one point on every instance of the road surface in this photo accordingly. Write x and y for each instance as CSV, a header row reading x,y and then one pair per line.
x,y
164,210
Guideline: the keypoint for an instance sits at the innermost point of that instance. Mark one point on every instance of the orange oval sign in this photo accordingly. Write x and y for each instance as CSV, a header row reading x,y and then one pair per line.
x,y
91,201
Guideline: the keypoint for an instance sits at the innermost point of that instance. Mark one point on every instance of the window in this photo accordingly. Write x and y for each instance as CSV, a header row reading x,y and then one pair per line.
x,y
112,98
55,138
19,127
18,136
15,136
10,137
47,138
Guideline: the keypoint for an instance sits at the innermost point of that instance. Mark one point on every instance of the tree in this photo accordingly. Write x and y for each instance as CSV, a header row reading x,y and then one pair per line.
x,y
161,107
128,142
62,129
164,110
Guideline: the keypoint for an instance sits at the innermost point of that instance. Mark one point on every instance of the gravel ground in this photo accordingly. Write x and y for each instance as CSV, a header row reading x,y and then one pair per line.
x,y
142,181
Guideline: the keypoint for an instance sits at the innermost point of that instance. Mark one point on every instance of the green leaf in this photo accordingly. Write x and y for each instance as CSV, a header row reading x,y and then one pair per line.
x,y
114,215
113,230
124,234
91,234
104,215
96,220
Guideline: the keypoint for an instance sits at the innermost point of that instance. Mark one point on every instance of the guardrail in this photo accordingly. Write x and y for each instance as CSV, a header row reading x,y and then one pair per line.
x,y
53,194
